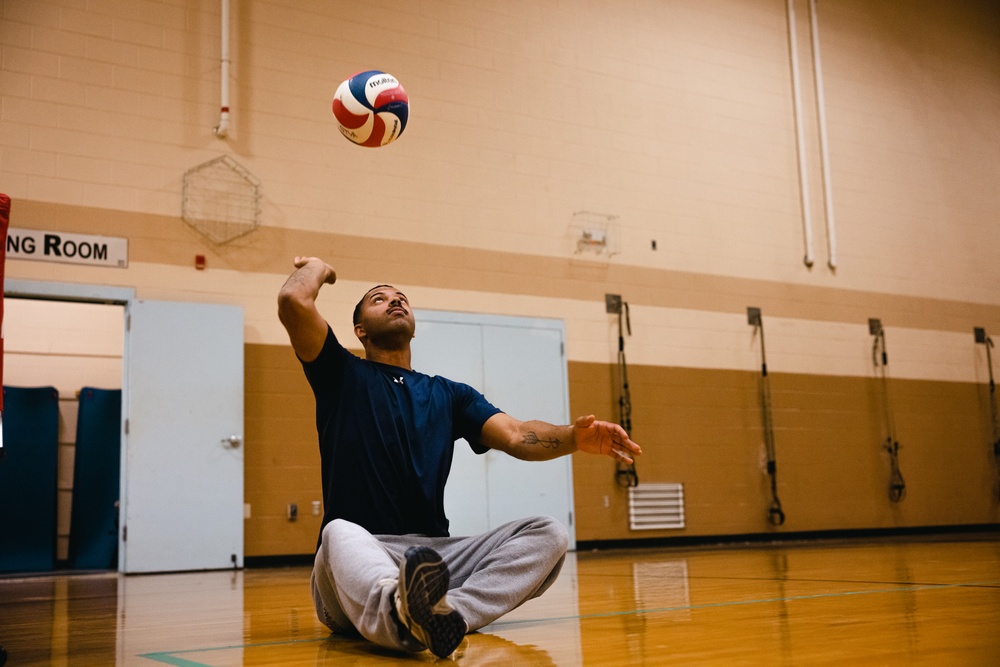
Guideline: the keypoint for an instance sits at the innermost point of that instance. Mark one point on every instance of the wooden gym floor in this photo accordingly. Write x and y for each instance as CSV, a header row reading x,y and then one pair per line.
x,y
887,602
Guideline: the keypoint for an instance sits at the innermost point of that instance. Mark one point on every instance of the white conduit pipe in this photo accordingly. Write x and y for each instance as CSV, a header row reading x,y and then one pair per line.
x,y
799,136
831,231
222,129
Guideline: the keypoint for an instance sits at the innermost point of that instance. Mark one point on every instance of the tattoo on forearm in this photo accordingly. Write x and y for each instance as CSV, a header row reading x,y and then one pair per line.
x,y
531,438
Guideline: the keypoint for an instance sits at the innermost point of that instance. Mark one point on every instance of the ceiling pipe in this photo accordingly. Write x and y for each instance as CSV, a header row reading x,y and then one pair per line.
x,y
793,48
222,129
831,230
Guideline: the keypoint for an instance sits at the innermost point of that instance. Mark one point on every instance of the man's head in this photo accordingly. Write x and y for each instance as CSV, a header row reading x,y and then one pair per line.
x,y
357,308
383,318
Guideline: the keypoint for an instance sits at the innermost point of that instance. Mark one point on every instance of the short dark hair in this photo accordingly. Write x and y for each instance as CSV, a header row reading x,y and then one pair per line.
x,y
357,308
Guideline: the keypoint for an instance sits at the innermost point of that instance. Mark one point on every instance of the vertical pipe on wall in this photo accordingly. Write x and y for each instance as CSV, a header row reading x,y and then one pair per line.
x,y
799,138
831,231
222,129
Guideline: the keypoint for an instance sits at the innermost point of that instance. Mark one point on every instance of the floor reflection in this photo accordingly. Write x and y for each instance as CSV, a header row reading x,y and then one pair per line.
x,y
930,601
477,650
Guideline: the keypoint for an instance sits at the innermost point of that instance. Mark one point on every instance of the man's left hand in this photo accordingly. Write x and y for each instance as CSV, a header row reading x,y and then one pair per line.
x,y
600,437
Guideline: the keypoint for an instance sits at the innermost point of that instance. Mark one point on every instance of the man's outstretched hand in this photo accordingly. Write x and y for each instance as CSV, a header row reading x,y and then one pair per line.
x,y
599,437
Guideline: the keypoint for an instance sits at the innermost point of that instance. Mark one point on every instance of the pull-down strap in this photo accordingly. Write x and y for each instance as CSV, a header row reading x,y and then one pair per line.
x,y
880,358
984,338
625,473
775,515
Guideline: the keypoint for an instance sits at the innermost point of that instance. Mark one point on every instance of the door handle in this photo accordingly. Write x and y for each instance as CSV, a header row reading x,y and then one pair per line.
x,y
232,442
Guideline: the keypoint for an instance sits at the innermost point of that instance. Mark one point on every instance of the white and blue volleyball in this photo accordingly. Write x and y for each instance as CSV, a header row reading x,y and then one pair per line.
x,y
371,108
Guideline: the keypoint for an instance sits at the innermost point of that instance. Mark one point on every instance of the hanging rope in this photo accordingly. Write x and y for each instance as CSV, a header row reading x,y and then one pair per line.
x,y
897,487
775,515
984,338
625,474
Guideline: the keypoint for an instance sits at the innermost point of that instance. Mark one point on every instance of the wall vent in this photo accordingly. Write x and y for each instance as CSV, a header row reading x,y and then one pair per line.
x,y
656,506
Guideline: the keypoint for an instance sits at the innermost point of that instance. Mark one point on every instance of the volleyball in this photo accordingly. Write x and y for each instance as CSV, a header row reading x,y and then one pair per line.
x,y
371,108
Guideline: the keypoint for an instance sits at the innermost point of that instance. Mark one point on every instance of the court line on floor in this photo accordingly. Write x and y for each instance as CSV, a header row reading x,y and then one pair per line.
x,y
736,603
173,657
802,580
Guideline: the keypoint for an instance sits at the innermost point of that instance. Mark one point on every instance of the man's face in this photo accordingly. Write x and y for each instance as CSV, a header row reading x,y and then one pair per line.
x,y
386,318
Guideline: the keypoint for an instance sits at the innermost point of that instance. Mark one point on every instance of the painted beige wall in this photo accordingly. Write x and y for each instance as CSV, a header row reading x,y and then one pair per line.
x,y
673,118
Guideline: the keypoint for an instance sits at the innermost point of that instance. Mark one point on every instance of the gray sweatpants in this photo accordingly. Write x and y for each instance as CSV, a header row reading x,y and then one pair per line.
x,y
356,574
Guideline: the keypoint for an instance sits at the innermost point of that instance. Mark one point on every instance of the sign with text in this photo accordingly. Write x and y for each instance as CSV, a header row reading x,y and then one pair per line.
x,y
47,246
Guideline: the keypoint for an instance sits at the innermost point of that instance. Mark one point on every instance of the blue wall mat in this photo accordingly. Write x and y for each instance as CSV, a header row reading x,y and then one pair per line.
x,y
28,479
93,534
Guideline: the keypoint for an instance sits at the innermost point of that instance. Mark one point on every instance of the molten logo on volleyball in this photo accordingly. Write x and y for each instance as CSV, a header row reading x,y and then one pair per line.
x,y
371,108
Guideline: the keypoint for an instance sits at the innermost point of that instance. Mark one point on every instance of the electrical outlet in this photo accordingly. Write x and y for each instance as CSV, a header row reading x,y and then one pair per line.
x,y
246,510
316,507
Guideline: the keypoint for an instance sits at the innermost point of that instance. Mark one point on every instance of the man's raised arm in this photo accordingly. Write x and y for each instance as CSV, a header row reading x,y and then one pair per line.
x,y
297,306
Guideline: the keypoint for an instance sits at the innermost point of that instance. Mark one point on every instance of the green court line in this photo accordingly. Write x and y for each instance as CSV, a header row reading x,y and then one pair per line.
x,y
168,659
736,603
172,657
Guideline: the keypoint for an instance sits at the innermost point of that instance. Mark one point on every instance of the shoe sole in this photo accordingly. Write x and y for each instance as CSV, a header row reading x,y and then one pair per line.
x,y
423,583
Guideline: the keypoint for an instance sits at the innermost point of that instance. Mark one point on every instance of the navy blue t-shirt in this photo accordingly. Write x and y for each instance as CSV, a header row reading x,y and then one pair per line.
x,y
386,438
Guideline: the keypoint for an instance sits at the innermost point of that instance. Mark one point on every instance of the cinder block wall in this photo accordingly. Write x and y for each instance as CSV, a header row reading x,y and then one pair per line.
x,y
674,121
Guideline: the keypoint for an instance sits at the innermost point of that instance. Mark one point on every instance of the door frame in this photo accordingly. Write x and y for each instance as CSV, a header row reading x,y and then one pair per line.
x,y
82,293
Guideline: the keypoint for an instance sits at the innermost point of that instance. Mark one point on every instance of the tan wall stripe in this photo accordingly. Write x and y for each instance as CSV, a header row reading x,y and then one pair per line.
x,y
167,240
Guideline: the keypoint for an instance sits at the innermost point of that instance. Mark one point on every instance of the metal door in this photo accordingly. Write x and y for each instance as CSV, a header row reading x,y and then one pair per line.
x,y
524,367
182,471
520,366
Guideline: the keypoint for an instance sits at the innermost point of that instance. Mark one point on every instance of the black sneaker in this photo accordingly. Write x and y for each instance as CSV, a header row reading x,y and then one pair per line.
x,y
421,603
